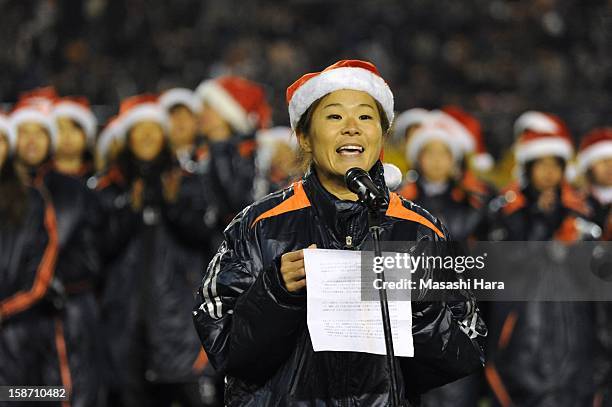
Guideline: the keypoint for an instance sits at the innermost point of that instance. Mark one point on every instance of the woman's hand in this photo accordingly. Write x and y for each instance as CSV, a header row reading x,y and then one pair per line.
x,y
293,271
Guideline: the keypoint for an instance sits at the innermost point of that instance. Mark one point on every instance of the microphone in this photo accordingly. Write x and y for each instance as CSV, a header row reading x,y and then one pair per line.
x,y
359,182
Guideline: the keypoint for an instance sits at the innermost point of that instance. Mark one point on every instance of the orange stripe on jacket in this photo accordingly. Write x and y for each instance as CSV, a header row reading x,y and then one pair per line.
x,y
397,210
201,361
22,300
507,329
497,385
298,200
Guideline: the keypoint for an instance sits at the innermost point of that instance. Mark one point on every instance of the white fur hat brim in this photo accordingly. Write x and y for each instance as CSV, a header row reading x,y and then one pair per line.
x,y
595,152
6,130
81,115
32,115
144,112
352,78
543,147
408,119
183,97
219,99
424,135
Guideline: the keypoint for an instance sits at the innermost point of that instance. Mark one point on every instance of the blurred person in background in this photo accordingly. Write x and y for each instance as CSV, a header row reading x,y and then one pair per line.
x,y
31,340
76,137
155,231
233,108
437,149
403,127
595,162
108,146
542,353
71,290
277,162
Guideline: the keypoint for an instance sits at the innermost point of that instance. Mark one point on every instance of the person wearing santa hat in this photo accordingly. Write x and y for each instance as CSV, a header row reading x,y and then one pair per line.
x,y
153,243
250,310
72,309
5,138
233,109
595,162
437,148
76,137
559,336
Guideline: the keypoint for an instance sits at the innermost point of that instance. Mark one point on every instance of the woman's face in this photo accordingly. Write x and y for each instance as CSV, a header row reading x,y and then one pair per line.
x,y
212,123
546,173
345,132
183,126
4,148
33,144
71,141
146,140
436,161
602,172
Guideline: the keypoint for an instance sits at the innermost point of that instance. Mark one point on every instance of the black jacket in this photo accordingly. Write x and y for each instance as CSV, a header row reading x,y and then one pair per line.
x,y
254,330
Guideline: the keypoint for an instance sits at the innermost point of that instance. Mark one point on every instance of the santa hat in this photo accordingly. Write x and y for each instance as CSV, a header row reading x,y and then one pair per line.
x,y
141,108
110,133
481,160
532,145
180,96
77,109
36,111
43,95
240,102
5,129
347,74
437,126
596,145
540,122
409,118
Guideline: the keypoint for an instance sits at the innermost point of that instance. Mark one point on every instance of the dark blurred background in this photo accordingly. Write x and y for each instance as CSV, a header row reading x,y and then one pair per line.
x,y
495,58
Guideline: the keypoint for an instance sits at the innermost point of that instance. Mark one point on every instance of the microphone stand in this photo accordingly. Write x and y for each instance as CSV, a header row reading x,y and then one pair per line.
x,y
374,218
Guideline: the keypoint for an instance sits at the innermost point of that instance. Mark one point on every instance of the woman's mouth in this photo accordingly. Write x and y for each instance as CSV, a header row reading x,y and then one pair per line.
x,y
350,150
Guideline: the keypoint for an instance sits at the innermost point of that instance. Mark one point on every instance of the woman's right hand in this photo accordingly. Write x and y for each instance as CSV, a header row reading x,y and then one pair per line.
x,y
293,271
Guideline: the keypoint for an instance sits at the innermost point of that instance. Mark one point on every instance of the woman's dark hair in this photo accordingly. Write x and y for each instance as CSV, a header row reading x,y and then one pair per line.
x,y
305,123
14,202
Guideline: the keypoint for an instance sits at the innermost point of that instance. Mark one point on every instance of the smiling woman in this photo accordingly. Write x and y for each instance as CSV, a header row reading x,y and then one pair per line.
x,y
251,306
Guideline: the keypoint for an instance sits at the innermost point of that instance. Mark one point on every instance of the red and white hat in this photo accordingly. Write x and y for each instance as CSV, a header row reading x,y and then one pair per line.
x,y
36,111
240,102
180,96
437,126
346,74
481,160
5,129
110,132
539,122
409,118
141,108
77,109
596,145
532,145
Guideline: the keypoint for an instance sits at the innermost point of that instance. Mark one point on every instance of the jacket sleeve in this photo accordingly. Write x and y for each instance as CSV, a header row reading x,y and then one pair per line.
x,y
247,321
447,331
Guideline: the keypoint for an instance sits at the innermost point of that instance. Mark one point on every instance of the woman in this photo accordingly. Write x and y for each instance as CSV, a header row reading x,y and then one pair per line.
x,y
540,351
251,306
155,232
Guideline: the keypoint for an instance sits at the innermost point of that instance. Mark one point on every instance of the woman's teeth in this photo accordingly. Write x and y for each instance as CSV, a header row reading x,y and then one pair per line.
x,y
350,150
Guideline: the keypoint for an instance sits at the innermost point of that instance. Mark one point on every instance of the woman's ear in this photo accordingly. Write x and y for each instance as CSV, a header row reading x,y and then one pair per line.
x,y
304,141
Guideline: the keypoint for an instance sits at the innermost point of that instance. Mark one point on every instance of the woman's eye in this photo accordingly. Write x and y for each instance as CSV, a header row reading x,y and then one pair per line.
x,y
365,117
334,117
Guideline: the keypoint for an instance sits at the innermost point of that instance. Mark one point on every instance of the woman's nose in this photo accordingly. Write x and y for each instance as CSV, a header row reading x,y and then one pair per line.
x,y
351,127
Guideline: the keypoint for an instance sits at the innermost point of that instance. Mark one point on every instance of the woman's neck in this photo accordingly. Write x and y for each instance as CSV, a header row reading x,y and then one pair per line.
x,y
336,186
68,165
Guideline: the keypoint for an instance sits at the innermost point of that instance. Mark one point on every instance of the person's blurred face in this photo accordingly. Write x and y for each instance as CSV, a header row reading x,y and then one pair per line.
x,y
183,126
436,161
602,172
211,122
146,140
284,162
345,132
33,144
546,173
71,140
4,148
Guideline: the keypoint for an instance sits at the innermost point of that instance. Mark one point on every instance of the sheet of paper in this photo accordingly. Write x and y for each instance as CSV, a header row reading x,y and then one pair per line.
x,y
337,318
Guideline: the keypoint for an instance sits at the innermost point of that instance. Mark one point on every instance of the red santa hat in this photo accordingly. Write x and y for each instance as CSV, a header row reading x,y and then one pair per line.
x,y
407,119
438,126
347,74
5,130
180,96
141,108
540,122
240,102
482,160
532,145
77,109
33,111
596,145
110,132
43,95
